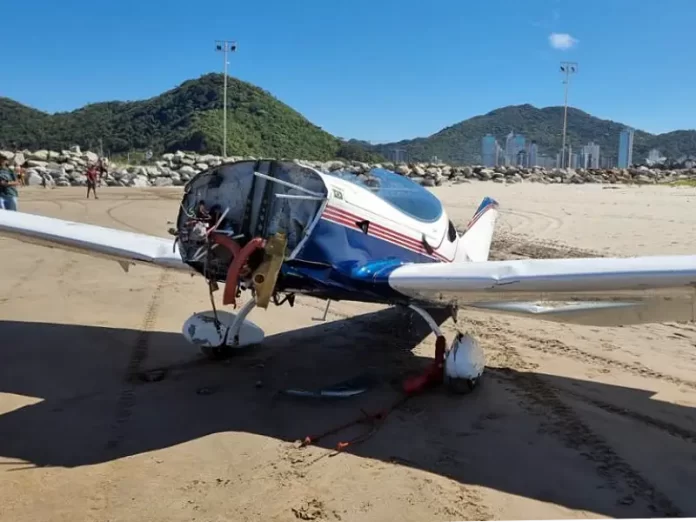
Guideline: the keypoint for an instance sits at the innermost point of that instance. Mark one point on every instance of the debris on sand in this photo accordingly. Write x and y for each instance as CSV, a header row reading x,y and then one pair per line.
x,y
311,510
349,388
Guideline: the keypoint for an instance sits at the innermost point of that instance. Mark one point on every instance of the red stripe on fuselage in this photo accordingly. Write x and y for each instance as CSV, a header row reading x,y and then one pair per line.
x,y
375,226
348,219
350,223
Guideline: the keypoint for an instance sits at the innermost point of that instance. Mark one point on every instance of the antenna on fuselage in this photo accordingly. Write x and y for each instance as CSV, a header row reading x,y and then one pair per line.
x,y
326,311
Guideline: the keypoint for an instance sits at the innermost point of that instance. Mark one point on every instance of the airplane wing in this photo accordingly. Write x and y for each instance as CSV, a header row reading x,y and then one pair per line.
x,y
125,247
595,291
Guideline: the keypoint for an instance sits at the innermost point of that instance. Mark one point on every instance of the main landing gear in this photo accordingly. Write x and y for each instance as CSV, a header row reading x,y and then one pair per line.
x,y
460,368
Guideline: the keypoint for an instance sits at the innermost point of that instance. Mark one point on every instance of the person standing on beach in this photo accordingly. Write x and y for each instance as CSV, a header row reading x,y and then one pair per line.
x,y
102,169
8,187
21,174
92,176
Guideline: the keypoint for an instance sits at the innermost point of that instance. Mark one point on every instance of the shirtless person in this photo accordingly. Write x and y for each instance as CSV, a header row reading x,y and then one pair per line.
x,y
92,176
102,169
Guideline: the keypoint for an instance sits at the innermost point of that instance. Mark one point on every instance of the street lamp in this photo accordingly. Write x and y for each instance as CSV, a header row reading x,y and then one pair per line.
x,y
225,46
567,68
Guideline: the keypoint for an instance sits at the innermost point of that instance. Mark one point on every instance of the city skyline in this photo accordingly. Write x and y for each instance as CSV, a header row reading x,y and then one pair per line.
x,y
518,152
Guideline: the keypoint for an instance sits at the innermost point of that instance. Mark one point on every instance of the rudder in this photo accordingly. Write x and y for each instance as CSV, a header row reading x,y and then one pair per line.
x,y
475,243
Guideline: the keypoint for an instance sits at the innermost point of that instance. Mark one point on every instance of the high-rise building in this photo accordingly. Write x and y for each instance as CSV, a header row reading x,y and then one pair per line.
x,y
520,150
397,155
514,145
626,148
589,156
564,159
532,160
548,162
510,152
522,159
608,162
489,150
583,159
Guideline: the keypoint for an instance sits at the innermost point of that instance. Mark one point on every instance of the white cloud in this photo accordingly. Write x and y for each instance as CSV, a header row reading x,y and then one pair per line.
x,y
562,41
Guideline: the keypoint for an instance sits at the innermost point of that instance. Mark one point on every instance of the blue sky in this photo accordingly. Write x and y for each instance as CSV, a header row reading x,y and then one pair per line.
x,y
379,70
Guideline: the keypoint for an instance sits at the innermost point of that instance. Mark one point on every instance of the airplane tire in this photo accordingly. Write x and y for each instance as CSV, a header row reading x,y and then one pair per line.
x,y
461,386
222,353
464,365
216,353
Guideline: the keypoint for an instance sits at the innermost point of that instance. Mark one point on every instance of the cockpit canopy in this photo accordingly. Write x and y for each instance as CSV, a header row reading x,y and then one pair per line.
x,y
399,191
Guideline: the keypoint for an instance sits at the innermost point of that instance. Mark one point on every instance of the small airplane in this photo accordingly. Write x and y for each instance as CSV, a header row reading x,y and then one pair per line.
x,y
277,229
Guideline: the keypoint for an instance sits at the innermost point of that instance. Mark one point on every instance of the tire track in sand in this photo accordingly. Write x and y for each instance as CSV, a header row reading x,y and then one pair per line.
x,y
126,402
100,508
23,279
666,427
138,355
110,213
558,348
564,423
505,336
139,351
549,223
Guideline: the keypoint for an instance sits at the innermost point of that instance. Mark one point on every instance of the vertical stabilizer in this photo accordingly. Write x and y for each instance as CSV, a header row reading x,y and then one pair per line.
x,y
475,243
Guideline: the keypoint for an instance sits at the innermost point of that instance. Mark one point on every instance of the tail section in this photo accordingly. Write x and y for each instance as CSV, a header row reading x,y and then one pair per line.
x,y
475,243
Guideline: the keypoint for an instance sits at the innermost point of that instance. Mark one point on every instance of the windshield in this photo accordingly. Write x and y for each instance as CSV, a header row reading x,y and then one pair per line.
x,y
399,191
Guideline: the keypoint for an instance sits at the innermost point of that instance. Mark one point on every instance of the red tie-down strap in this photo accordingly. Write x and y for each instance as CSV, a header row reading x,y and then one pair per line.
x,y
420,383
433,374
240,257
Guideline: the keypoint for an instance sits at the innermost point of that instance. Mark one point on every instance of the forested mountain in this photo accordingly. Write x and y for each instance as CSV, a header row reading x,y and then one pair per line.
x,y
461,143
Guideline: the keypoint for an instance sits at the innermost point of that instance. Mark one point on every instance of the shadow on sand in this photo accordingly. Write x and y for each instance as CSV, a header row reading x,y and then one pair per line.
x,y
528,434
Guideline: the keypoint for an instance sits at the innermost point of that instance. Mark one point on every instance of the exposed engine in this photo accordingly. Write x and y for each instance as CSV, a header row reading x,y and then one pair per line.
x,y
239,221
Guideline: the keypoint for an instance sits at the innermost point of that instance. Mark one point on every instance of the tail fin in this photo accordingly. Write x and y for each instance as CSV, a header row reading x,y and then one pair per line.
x,y
476,241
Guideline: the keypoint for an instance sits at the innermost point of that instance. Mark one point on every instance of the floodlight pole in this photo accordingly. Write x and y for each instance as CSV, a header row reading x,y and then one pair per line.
x,y
225,46
567,68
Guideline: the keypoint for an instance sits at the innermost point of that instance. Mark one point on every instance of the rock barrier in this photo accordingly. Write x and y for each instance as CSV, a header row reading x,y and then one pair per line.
x,y
68,167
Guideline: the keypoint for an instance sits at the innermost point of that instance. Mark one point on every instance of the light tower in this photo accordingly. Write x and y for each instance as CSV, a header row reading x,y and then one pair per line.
x,y
567,68
225,46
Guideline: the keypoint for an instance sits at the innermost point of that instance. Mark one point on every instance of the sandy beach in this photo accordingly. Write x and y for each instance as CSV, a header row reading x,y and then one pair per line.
x,y
570,422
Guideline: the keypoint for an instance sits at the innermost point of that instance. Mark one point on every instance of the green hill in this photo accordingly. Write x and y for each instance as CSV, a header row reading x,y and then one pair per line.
x,y
188,117
461,143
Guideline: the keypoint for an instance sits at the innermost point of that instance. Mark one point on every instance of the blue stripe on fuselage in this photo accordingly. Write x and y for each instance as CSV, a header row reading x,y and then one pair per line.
x,y
336,245
360,263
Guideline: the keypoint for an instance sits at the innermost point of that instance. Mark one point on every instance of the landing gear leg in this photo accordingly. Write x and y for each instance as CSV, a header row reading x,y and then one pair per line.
x,y
236,326
460,368
231,332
